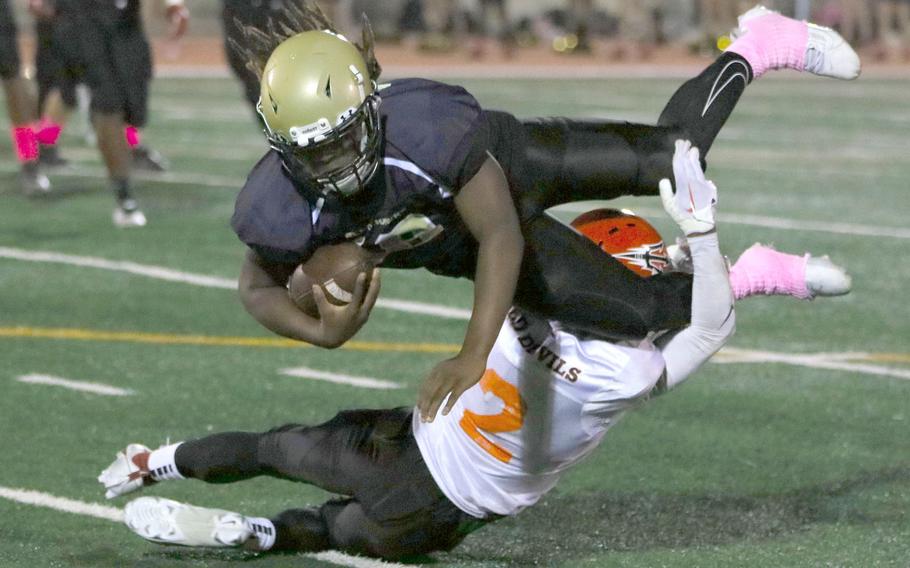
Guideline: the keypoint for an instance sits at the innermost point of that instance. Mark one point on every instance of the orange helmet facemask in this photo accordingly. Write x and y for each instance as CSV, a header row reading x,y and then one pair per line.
x,y
627,237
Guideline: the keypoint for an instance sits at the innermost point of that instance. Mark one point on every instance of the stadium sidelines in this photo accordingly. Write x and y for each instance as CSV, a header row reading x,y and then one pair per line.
x,y
46,500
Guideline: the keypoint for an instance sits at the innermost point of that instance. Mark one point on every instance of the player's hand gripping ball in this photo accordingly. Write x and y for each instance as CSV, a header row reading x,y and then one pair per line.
x,y
335,268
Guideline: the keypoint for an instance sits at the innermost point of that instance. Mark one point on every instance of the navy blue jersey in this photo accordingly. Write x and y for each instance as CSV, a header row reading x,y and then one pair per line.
x,y
434,141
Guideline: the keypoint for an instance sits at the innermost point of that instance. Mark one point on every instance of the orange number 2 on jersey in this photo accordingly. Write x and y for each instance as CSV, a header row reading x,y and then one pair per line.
x,y
509,420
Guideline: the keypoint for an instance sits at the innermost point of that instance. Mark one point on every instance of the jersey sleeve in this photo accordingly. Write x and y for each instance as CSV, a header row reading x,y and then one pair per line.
x,y
713,317
271,216
438,127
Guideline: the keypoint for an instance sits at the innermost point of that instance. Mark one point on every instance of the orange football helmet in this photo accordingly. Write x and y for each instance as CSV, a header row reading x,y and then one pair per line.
x,y
627,237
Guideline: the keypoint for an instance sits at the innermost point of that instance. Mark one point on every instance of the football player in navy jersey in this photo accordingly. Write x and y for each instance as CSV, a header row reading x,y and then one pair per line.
x,y
418,172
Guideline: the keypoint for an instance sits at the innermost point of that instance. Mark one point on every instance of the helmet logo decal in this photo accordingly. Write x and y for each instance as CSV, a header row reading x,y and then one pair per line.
x,y
650,257
328,87
274,103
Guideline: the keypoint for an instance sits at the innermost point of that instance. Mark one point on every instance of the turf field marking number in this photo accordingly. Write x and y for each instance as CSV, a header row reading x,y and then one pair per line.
x,y
509,420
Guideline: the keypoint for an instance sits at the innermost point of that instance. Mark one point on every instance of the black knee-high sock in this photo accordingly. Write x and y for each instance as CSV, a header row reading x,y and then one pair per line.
x,y
220,458
701,106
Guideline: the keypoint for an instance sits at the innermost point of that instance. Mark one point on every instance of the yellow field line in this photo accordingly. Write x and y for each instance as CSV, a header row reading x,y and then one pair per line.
x,y
273,342
173,339
888,357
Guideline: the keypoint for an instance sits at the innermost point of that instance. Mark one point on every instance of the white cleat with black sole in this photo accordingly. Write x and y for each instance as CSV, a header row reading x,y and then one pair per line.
x,y
165,521
127,215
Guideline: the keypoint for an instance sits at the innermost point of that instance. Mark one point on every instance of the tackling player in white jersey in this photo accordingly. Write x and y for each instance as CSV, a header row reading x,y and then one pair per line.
x,y
412,487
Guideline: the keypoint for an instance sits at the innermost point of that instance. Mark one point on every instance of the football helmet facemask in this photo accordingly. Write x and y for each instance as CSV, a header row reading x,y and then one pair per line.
x,y
627,237
321,112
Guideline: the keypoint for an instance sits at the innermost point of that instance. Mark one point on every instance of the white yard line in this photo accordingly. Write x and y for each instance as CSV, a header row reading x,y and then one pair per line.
x,y
831,361
39,499
342,559
337,378
425,309
168,274
150,271
94,388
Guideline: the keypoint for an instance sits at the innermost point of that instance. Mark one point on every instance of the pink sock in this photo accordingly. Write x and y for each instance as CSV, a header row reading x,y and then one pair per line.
x,y
132,136
763,270
26,143
772,41
48,132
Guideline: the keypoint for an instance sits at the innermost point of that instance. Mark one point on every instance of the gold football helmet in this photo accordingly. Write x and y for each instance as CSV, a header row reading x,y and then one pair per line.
x,y
321,111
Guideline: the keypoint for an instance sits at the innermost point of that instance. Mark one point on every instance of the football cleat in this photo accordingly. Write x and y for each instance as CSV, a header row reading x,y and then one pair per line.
x,y
32,182
127,215
761,270
170,522
148,160
769,40
129,472
824,278
829,55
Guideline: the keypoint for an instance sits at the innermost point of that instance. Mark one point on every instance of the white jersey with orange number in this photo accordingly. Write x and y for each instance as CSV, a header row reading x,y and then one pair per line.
x,y
476,452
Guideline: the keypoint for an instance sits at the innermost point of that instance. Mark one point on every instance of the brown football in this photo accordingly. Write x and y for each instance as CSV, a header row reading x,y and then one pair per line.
x,y
335,268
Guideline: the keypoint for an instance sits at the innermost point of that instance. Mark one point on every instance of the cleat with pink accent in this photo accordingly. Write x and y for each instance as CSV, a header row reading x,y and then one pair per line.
x,y
769,40
761,270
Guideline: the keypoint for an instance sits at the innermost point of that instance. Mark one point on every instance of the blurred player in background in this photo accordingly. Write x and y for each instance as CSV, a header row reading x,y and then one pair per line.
x,y
430,179
103,42
58,78
20,106
412,487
